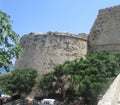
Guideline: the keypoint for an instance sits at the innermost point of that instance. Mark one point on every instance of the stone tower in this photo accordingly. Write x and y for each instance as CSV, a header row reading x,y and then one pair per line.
x,y
44,51
105,33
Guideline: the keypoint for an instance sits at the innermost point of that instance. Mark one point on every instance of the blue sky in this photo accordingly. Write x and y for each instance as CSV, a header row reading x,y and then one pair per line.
x,y
73,16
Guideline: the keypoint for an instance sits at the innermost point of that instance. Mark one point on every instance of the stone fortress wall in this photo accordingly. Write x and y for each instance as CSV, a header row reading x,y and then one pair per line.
x,y
44,51
105,33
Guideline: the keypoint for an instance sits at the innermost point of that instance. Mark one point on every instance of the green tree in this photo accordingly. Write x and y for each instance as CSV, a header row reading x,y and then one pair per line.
x,y
19,81
97,72
88,77
58,80
46,83
9,42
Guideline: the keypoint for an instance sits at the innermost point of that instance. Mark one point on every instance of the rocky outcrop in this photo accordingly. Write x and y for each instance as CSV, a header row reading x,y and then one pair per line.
x,y
44,51
105,33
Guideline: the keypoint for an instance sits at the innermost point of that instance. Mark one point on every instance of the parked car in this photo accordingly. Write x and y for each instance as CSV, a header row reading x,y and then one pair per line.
x,y
48,102
5,97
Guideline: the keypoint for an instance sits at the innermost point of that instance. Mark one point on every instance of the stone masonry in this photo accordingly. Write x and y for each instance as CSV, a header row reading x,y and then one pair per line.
x,y
112,96
105,33
44,51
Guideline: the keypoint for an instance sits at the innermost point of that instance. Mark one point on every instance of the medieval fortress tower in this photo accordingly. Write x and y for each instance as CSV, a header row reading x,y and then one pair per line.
x,y
105,33
44,51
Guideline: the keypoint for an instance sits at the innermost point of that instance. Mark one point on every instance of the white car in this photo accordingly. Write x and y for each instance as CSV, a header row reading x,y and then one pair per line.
x,y
48,102
5,97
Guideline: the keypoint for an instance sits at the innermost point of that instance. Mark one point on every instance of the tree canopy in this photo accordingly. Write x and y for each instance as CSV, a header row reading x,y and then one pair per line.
x,y
19,81
88,77
9,42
